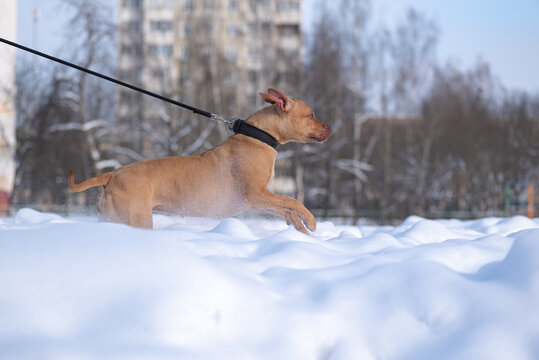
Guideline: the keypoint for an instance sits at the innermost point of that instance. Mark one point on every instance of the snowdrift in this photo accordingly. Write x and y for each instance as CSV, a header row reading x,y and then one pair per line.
x,y
73,288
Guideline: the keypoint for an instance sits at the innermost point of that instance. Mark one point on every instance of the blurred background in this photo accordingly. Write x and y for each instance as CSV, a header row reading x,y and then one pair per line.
x,y
434,104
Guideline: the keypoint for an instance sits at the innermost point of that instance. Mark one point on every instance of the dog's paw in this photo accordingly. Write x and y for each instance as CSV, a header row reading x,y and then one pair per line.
x,y
311,223
301,229
293,219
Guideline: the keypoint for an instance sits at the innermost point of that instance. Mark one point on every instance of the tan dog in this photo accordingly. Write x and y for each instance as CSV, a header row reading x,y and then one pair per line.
x,y
224,181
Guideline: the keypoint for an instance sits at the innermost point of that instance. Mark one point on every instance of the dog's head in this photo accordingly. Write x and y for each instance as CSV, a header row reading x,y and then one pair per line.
x,y
296,121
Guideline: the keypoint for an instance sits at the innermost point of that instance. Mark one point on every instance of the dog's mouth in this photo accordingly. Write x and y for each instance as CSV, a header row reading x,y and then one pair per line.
x,y
322,135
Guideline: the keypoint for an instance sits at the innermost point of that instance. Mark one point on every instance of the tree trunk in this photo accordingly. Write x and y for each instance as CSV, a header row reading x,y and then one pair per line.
x,y
357,158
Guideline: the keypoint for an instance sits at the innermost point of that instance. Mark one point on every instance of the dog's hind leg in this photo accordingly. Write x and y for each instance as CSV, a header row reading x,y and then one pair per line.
x,y
141,217
132,213
136,214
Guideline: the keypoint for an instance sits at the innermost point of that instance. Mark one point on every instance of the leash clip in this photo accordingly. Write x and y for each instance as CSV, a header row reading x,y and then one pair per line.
x,y
230,122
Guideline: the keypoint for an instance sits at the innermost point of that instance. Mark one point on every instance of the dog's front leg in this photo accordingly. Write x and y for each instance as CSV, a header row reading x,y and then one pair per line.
x,y
291,218
286,207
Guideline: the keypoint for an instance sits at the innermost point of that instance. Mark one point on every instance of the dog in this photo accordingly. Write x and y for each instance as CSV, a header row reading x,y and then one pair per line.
x,y
222,182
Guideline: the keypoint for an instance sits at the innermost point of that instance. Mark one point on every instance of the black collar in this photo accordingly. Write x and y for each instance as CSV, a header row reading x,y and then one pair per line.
x,y
241,127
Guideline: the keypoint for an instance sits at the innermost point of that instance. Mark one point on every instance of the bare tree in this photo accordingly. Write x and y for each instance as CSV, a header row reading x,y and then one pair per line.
x,y
92,35
324,86
414,58
64,116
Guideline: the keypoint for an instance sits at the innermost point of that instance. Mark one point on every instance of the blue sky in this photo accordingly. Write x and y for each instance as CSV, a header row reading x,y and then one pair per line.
x,y
504,33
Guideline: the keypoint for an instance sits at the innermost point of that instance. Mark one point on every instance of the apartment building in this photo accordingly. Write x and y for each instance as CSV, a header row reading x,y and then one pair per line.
x,y
215,54
8,26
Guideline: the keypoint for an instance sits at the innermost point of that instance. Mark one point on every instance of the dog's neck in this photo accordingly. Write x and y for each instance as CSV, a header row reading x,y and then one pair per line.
x,y
267,119
244,128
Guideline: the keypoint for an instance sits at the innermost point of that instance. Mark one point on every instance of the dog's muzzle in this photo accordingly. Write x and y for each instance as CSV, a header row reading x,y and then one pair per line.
x,y
324,134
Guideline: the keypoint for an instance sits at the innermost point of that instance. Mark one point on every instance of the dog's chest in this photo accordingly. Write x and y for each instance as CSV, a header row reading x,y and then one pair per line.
x,y
272,174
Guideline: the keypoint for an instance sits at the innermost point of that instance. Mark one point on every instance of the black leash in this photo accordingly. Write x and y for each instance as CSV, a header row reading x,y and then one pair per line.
x,y
237,125
133,87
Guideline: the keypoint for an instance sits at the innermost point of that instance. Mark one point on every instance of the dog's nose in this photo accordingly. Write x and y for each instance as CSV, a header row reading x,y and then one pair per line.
x,y
324,132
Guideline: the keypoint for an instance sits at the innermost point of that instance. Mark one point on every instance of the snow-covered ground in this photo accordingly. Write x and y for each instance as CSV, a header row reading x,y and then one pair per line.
x,y
73,288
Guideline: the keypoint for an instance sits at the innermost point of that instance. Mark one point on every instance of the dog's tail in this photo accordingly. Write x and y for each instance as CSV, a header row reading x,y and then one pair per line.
x,y
95,181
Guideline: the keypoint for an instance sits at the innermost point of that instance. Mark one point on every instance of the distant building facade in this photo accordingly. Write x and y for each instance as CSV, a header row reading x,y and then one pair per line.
x,y
8,26
215,54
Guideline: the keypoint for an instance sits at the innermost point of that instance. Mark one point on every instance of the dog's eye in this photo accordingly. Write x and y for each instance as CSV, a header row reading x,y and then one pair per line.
x,y
311,116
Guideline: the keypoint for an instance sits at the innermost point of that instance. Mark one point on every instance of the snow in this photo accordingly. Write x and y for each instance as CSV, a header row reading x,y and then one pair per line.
x,y
74,288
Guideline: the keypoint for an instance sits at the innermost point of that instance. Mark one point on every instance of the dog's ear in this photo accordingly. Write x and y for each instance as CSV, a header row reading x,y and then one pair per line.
x,y
277,97
266,98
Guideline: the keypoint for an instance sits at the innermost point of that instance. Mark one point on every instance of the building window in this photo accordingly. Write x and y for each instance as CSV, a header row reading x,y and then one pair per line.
x,y
187,5
160,50
263,4
208,5
266,29
288,52
208,29
283,6
207,51
134,26
289,30
252,29
186,53
133,4
234,30
254,53
232,53
130,50
157,4
161,26
233,5
187,29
